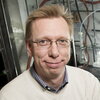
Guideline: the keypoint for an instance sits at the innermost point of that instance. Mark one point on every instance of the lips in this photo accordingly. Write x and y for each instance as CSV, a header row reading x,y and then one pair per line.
x,y
53,65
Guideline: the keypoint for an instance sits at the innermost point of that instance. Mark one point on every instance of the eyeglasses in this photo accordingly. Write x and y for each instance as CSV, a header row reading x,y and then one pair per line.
x,y
61,43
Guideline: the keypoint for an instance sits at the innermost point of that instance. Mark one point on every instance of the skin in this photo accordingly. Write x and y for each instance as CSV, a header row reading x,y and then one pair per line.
x,y
50,63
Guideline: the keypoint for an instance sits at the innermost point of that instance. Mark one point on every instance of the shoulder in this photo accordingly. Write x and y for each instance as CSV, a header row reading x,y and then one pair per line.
x,y
80,73
17,83
84,81
20,87
76,70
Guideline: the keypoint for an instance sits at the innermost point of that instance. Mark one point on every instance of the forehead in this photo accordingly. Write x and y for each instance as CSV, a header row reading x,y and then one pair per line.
x,y
50,28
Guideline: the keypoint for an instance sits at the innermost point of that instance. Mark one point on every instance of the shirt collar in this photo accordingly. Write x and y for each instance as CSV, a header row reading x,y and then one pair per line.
x,y
44,84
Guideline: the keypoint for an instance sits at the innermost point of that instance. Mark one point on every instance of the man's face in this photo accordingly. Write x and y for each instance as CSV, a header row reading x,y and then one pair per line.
x,y
50,62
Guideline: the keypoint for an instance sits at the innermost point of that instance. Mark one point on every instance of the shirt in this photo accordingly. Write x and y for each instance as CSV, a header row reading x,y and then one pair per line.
x,y
44,84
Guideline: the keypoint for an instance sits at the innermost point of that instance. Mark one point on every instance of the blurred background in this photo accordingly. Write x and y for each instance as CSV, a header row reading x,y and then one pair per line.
x,y
85,44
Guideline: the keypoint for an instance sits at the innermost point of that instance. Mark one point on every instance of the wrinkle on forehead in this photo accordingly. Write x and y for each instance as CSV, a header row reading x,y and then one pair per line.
x,y
50,27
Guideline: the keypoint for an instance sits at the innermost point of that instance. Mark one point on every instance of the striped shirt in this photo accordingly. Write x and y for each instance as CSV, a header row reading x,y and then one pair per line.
x,y
44,84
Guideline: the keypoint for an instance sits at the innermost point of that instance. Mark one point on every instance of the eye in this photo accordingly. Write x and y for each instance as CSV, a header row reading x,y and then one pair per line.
x,y
62,41
43,42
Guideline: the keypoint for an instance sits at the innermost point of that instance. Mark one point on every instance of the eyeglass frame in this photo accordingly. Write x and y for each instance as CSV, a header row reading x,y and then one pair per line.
x,y
49,42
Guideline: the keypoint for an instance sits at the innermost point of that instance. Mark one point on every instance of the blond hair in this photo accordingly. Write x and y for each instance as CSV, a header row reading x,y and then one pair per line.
x,y
48,11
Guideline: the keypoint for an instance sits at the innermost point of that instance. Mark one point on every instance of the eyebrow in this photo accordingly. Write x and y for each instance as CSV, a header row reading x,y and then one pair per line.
x,y
49,38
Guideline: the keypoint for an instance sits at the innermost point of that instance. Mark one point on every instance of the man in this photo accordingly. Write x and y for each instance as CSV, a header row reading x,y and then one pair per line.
x,y
48,36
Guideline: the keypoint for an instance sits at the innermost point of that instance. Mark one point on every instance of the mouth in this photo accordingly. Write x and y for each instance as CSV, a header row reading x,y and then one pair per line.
x,y
54,65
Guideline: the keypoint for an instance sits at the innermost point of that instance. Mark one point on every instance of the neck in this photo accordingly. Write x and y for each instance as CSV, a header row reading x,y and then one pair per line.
x,y
56,83
53,80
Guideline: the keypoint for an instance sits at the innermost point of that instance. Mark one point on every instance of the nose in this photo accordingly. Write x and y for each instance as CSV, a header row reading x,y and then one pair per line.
x,y
53,51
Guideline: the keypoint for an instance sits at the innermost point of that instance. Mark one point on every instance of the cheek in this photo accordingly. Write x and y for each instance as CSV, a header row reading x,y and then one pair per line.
x,y
39,53
66,54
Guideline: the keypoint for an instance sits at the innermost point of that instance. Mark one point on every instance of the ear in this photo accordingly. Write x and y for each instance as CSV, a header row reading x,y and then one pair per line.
x,y
29,62
29,49
29,52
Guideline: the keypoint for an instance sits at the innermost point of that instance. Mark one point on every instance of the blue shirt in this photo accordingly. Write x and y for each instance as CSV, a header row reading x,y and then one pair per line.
x,y
44,84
